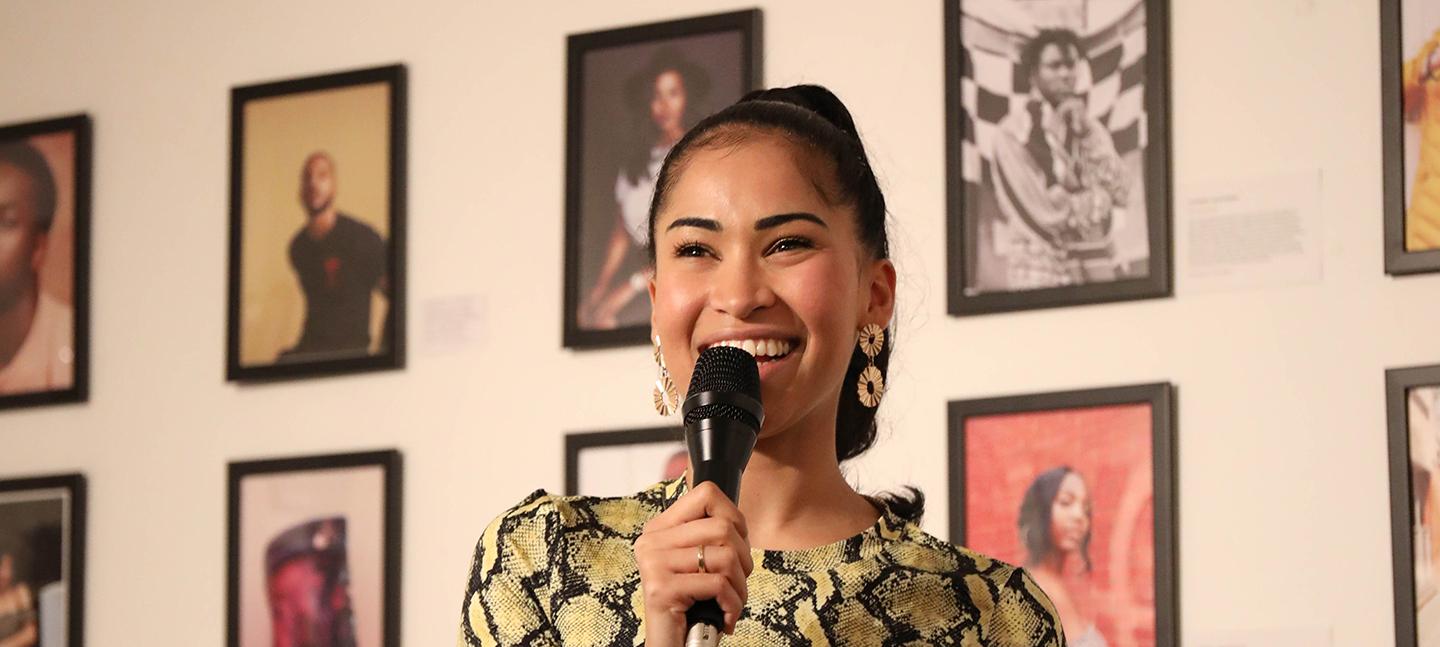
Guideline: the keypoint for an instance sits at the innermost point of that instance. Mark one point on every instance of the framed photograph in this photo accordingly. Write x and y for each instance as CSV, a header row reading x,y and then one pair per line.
x,y
619,463
317,225
314,551
631,93
1078,488
1412,399
45,261
1410,68
1058,163
42,561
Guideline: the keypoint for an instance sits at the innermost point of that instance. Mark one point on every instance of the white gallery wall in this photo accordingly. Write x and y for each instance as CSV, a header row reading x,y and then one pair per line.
x,y
1284,523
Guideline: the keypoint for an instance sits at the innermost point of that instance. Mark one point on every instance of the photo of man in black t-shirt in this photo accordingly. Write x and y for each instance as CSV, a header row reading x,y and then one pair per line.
x,y
340,263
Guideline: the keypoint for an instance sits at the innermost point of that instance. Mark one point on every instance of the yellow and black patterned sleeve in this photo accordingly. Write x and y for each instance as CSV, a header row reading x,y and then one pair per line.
x,y
507,597
1021,613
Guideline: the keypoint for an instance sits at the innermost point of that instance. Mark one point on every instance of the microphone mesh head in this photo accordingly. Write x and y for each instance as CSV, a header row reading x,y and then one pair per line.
x,y
728,370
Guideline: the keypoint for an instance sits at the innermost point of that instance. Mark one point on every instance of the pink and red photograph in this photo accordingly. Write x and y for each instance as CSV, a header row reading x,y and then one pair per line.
x,y
314,551
1410,122
1077,489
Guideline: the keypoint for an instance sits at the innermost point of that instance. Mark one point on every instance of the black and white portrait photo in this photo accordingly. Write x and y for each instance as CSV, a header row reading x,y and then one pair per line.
x,y
1059,197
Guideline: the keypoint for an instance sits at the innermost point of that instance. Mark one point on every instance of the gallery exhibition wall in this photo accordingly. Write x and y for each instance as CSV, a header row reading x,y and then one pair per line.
x,y
1282,497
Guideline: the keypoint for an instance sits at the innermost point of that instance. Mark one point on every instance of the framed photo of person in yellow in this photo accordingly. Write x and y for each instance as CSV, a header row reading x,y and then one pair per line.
x,y
1410,68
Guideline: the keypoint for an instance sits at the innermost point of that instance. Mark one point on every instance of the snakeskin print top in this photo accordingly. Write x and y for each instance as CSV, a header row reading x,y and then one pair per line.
x,y
561,571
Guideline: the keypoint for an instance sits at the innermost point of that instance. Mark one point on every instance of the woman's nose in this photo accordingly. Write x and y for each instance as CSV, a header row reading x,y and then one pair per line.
x,y
740,289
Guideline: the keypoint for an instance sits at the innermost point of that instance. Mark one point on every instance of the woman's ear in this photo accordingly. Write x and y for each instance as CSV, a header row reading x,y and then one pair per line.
x,y
880,304
650,287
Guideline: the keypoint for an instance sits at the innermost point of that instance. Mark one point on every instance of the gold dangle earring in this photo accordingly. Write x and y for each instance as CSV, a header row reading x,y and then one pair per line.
x,y
667,400
871,386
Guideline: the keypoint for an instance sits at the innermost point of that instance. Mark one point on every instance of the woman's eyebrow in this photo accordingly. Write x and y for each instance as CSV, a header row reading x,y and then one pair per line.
x,y
703,223
770,222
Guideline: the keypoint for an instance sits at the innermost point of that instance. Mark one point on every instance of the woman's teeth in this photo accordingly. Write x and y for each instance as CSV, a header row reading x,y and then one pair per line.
x,y
771,348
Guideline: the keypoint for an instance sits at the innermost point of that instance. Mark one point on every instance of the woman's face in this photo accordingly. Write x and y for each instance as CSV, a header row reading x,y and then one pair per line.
x,y
667,102
1070,514
749,253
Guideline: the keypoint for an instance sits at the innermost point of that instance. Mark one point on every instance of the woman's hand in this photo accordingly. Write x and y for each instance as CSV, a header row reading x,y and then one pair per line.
x,y
670,577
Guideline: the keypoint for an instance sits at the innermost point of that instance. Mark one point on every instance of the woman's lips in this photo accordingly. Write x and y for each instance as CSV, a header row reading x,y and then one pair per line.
x,y
769,366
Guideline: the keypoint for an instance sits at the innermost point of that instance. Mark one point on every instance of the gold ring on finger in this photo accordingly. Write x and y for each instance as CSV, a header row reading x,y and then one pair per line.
x,y
700,558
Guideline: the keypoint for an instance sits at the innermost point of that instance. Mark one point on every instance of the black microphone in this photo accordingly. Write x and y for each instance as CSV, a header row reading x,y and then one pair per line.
x,y
722,416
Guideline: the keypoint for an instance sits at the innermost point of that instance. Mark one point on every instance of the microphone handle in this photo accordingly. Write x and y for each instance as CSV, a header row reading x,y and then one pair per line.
x,y
719,449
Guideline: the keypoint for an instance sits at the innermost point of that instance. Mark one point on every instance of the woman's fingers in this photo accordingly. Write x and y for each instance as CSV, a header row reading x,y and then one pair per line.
x,y
679,592
704,500
668,555
719,560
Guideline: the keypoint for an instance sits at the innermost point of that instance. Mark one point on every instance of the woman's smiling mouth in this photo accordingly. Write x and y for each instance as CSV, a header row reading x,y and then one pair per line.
x,y
764,349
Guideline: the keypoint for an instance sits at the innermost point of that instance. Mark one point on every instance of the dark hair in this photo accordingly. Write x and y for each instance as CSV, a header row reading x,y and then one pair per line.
x,y
813,117
638,90
1030,55
1035,511
29,161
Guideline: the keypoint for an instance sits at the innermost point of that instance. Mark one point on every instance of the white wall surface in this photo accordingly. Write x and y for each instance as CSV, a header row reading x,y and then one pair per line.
x,y
1282,461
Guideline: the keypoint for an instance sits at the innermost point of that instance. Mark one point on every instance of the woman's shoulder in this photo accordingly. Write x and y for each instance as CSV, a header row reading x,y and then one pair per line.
x,y
1003,592
922,551
545,516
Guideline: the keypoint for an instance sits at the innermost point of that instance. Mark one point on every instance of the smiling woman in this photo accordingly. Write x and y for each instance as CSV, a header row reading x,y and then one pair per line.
x,y
767,233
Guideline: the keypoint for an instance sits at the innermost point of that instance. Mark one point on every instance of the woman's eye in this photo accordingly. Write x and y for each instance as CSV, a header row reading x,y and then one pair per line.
x,y
692,250
790,243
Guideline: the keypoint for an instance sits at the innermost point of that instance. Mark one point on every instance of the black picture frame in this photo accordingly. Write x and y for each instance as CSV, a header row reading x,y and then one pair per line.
x,y
576,443
961,231
748,24
81,127
1398,383
1160,397
393,355
388,460
1398,261
74,486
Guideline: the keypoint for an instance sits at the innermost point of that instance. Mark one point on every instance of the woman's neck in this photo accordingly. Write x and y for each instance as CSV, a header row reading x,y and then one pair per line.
x,y
794,496
1056,564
